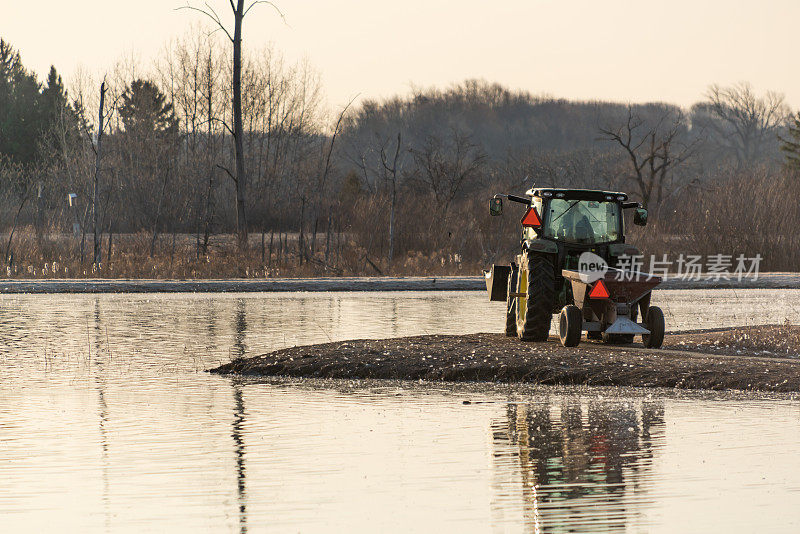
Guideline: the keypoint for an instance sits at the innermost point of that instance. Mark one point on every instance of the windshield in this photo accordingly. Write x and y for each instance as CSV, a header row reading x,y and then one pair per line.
x,y
583,221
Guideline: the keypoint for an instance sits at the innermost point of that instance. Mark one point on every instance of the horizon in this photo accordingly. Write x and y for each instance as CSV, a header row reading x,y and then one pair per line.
x,y
368,57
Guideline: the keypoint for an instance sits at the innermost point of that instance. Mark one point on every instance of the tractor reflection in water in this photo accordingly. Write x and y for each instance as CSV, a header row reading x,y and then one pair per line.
x,y
580,464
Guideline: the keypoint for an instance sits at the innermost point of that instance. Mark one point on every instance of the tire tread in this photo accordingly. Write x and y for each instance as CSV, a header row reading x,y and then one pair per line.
x,y
540,299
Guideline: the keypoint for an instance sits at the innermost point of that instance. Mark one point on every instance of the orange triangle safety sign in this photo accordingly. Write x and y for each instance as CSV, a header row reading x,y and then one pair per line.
x,y
599,291
531,219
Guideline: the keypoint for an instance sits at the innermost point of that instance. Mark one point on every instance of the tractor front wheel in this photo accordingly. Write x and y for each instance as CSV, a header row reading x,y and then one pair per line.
x,y
655,323
536,280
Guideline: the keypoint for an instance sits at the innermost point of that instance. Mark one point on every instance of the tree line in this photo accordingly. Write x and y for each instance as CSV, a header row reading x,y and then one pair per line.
x,y
148,172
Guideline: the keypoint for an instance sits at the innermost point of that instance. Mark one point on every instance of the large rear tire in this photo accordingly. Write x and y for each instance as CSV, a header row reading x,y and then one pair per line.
x,y
511,303
570,326
536,280
655,323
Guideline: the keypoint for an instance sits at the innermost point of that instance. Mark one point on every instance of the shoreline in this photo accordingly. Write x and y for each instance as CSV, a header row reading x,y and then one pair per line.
x,y
400,283
497,358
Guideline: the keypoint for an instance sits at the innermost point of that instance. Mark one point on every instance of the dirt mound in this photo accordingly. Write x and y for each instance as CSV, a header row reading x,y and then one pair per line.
x,y
773,341
494,357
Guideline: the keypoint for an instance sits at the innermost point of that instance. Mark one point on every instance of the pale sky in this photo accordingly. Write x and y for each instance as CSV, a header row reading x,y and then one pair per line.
x,y
624,50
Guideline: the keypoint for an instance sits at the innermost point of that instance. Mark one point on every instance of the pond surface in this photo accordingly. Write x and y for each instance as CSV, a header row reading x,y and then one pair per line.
x,y
108,423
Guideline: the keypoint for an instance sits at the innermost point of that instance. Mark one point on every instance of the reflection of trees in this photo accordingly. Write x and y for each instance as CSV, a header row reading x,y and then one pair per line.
x,y
239,329
237,430
580,463
239,451
103,419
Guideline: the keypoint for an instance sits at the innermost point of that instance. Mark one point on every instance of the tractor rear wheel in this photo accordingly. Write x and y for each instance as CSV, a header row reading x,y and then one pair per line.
x,y
511,303
536,280
655,323
570,326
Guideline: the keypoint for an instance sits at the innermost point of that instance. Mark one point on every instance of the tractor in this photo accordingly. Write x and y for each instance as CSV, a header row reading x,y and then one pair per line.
x,y
575,262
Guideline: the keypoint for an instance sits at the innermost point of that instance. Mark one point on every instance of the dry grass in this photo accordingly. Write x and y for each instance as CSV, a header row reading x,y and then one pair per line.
x,y
58,256
748,214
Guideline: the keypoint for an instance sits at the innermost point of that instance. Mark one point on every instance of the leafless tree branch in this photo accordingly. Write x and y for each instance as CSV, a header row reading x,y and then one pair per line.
x,y
211,14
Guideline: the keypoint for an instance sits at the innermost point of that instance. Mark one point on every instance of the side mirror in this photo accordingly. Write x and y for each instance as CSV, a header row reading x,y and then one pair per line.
x,y
496,206
640,217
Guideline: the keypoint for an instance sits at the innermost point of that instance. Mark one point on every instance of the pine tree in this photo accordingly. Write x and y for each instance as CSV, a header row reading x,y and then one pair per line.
x,y
149,141
145,111
61,120
28,112
54,96
20,113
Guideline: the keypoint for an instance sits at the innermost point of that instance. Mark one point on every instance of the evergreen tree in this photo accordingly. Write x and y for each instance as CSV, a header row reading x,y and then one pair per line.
x,y
148,144
28,112
20,112
145,111
61,120
54,97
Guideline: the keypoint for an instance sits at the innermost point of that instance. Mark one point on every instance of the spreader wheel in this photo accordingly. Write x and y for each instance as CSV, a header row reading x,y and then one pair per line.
x,y
655,323
570,326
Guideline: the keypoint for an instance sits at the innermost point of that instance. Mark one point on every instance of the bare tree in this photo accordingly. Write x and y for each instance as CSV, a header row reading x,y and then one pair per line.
x,y
105,111
654,151
379,154
98,159
240,179
192,67
744,123
209,93
447,166
575,168
286,154
390,173
19,179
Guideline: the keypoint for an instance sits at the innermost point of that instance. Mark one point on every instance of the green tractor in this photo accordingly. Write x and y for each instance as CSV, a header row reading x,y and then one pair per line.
x,y
573,263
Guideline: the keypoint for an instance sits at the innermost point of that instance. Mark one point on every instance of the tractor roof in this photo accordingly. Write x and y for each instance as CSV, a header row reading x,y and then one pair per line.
x,y
582,194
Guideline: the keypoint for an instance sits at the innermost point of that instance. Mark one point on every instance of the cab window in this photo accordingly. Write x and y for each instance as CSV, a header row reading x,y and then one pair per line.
x,y
583,221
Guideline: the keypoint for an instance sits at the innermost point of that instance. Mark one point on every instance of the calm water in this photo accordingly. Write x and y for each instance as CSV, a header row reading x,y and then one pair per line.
x,y
108,423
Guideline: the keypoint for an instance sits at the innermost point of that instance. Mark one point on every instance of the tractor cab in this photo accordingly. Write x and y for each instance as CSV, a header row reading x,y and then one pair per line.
x,y
578,219
597,214
568,222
